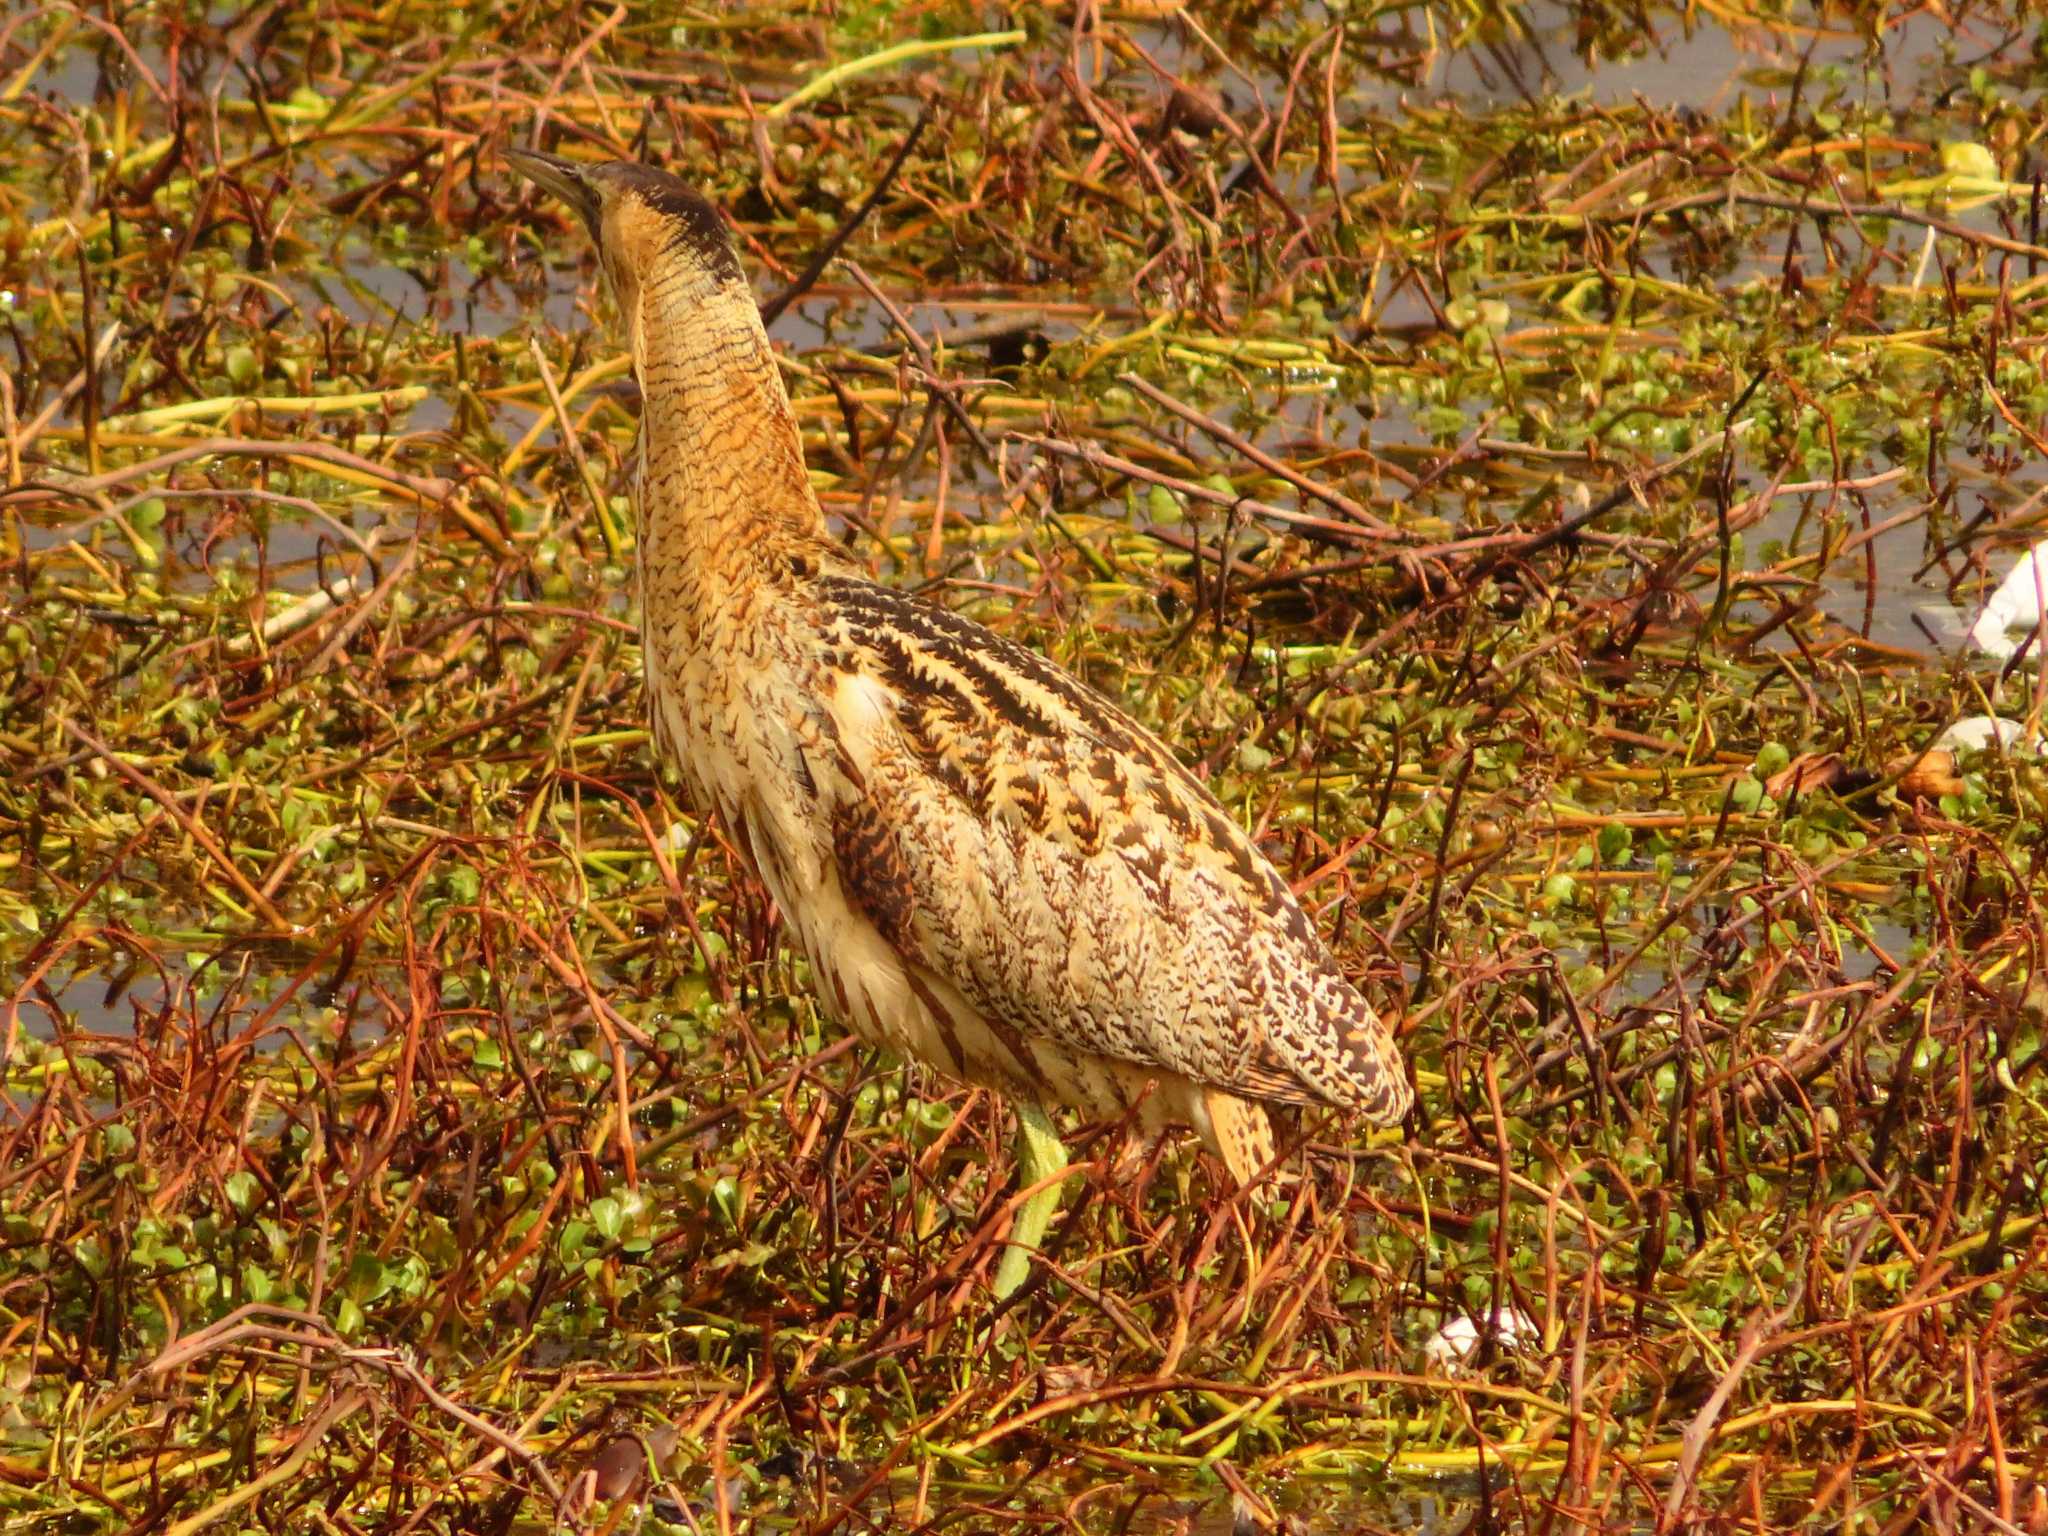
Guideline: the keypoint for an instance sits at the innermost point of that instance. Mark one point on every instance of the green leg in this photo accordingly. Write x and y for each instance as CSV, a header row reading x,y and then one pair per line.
x,y
1040,1154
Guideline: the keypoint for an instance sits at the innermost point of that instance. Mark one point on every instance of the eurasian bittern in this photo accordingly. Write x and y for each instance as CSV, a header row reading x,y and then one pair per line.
x,y
989,867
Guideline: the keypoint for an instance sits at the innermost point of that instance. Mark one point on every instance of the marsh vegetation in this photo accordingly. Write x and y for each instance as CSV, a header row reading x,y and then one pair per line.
x,y
1537,462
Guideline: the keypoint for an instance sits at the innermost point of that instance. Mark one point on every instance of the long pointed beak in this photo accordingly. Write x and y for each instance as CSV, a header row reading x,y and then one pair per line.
x,y
562,177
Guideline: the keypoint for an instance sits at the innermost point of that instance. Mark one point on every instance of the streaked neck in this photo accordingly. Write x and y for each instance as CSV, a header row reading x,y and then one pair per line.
x,y
724,488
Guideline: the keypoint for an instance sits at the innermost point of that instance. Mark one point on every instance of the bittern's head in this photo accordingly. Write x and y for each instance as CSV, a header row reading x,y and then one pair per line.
x,y
648,227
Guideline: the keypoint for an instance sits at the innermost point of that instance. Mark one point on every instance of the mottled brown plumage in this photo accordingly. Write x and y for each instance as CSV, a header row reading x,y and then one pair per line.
x,y
989,867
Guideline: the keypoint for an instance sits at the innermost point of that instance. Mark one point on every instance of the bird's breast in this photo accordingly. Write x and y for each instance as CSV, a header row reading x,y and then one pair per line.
x,y
733,697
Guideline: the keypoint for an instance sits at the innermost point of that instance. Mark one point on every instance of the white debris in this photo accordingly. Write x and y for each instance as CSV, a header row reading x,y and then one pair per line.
x,y
1977,733
2015,608
1452,1346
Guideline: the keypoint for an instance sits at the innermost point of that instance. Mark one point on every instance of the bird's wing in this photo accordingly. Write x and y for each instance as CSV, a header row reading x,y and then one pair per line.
x,y
1014,833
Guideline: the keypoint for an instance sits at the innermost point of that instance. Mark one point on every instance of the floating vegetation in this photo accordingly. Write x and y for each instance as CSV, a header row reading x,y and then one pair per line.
x,y
1540,464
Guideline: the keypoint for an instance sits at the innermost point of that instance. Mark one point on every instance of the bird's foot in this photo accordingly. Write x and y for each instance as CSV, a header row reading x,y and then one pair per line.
x,y
1040,1155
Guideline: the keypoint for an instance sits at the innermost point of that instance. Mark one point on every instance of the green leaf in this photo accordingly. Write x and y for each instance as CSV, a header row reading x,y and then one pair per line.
x,y
1961,157
725,1199
367,1278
